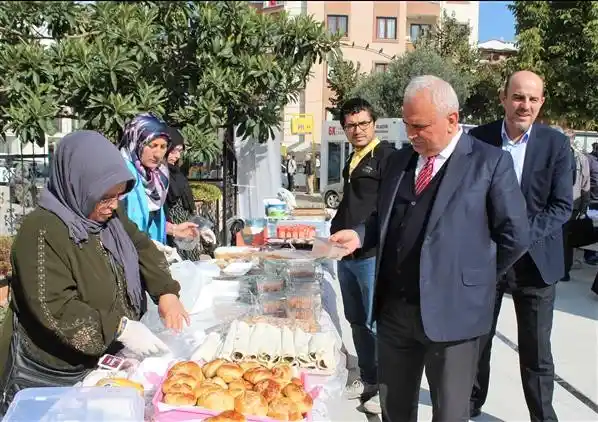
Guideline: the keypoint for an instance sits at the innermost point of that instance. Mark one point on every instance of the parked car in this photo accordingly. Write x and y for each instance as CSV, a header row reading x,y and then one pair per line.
x,y
333,195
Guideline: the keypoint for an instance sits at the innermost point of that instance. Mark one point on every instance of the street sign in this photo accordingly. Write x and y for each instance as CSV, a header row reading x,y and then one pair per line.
x,y
302,124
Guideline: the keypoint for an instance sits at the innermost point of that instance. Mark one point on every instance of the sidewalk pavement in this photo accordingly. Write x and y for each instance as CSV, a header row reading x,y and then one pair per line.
x,y
575,351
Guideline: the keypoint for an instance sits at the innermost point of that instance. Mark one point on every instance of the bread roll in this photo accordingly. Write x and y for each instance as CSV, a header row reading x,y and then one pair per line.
x,y
204,390
297,395
257,374
217,400
219,381
181,389
251,403
297,381
179,379
282,371
247,365
210,368
236,388
270,389
283,409
227,416
179,399
187,368
230,372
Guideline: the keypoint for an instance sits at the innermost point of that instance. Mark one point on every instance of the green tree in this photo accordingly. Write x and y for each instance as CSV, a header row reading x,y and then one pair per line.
x,y
450,40
200,65
559,40
344,76
385,90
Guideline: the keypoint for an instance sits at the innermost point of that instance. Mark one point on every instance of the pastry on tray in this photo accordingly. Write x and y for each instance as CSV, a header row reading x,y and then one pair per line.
x,y
237,390
227,416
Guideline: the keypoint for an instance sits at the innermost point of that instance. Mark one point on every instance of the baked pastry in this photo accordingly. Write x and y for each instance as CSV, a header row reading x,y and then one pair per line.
x,y
251,403
257,374
282,371
269,388
297,381
181,389
219,381
283,409
179,379
210,368
204,390
186,368
297,395
227,416
237,387
230,372
177,399
247,365
217,400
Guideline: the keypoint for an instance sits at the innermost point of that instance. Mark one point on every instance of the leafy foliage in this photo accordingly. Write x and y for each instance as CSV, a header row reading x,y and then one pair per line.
x,y
344,76
559,40
385,90
199,65
445,52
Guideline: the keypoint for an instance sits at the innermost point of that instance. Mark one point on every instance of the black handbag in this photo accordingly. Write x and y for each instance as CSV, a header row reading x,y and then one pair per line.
x,y
23,371
581,232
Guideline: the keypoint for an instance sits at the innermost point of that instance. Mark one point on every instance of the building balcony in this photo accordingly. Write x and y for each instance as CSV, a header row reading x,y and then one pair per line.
x,y
423,9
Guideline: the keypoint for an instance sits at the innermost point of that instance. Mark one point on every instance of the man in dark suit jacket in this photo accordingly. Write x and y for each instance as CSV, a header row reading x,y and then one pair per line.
x,y
450,217
542,160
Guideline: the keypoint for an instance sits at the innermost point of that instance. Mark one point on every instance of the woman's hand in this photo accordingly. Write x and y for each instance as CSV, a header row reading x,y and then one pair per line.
x,y
186,230
172,312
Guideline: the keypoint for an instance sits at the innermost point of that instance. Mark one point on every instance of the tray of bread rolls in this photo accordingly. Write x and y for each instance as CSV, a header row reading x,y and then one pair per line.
x,y
193,390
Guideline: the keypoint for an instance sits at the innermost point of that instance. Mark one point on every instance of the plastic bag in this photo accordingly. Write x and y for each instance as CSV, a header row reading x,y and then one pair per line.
x,y
191,280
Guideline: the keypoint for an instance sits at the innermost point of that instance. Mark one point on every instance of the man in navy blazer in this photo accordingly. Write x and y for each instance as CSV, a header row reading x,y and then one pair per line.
x,y
542,160
450,218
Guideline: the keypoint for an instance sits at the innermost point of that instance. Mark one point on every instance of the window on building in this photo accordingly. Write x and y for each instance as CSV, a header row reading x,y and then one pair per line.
x,y
338,24
380,67
387,28
417,30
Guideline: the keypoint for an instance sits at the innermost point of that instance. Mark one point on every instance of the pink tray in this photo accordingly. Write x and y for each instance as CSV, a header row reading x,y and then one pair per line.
x,y
167,413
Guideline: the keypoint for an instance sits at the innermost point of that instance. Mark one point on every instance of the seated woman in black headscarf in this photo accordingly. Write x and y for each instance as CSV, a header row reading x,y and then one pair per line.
x,y
180,204
80,272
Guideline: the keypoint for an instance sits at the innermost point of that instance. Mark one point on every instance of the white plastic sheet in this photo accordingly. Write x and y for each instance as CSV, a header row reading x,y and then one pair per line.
x,y
259,174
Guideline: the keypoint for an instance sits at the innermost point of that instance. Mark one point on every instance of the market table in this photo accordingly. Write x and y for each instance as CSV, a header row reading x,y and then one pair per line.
x,y
151,370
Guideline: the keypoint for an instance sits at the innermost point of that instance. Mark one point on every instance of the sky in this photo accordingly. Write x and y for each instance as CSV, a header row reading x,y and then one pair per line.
x,y
496,21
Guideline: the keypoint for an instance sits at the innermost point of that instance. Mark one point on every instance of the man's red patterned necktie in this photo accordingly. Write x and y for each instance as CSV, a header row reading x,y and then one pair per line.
x,y
425,175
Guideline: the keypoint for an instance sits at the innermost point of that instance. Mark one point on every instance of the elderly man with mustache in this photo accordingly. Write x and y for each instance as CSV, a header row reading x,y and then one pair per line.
x,y
542,160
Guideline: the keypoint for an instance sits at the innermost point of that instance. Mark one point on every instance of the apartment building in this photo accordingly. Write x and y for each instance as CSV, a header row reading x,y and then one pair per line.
x,y
373,33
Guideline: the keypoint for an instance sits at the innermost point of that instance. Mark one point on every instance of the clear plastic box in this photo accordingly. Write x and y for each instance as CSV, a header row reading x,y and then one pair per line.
x,y
84,404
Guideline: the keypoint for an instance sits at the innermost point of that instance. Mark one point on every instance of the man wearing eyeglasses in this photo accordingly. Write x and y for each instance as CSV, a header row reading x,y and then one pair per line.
x,y
356,272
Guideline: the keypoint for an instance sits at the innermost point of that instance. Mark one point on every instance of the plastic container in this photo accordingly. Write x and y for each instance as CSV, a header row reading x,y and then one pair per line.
x,y
269,284
273,304
81,404
304,302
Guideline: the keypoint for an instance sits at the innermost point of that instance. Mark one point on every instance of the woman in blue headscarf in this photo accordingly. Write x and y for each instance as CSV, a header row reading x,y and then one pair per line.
x,y
143,145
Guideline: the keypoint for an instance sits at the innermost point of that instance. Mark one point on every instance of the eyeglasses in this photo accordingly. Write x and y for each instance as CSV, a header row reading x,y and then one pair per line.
x,y
349,127
108,201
